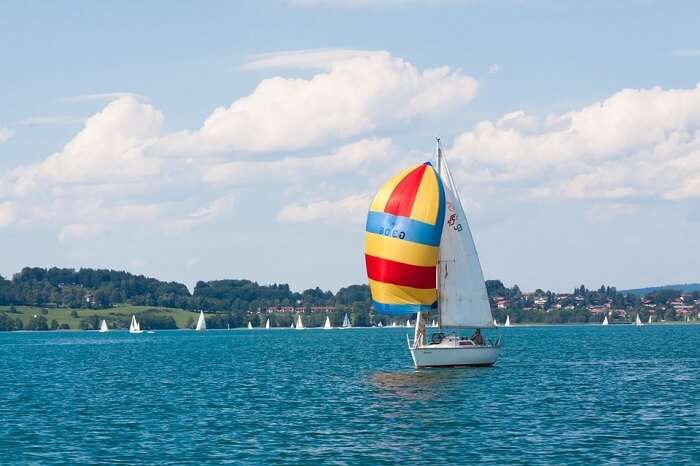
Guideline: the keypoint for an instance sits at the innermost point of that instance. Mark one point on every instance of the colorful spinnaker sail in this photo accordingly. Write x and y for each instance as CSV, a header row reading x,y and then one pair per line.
x,y
402,239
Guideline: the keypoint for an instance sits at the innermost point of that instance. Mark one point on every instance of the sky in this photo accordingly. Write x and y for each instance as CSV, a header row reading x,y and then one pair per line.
x,y
209,140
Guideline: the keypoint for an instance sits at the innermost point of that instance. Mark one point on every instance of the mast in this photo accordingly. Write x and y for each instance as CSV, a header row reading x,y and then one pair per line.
x,y
438,285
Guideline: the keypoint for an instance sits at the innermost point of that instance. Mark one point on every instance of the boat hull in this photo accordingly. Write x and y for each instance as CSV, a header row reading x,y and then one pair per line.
x,y
454,356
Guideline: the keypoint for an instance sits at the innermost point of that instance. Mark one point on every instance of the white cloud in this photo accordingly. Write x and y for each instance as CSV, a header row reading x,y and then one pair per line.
x,y
304,59
635,143
52,120
355,95
348,209
109,148
117,169
101,97
351,158
8,213
5,134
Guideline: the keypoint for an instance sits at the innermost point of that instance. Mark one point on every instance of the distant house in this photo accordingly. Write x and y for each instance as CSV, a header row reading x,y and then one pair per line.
x,y
90,299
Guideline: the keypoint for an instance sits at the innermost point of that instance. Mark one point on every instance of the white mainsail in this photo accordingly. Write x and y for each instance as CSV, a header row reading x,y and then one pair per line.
x,y
507,321
462,297
327,325
134,327
267,323
201,322
638,321
605,321
649,322
250,325
346,322
380,325
495,323
292,326
300,324
103,326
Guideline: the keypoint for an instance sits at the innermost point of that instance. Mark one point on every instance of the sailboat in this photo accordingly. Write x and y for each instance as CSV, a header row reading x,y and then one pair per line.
x,y
103,326
300,324
393,324
495,323
605,321
408,324
507,324
649,322
134,327
267,323
201,323
250,326
327,325
228,326
420,255
638,321
380,325
292,326
346,322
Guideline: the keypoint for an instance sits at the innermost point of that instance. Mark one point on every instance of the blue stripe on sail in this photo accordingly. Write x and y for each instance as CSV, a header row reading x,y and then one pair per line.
x,y
405,228
400,309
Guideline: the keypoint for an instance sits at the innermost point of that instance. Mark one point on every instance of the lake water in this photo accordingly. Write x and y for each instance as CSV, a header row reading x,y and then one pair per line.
x,y
557,395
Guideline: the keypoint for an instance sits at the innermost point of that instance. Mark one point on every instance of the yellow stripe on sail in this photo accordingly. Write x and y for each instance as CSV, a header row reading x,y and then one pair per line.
x,y
382,196
425,208
388,293
400,250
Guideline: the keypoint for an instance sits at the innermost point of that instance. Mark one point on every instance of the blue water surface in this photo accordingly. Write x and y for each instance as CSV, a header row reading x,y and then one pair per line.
x,y
557,395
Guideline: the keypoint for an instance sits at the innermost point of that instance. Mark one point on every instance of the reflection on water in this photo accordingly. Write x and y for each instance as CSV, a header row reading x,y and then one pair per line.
x,y
424,384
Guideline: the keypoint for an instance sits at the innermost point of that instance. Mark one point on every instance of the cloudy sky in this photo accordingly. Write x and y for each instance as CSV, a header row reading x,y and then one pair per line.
x,y
244,139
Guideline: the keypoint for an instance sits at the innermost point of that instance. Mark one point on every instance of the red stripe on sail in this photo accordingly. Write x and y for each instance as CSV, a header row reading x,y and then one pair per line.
x,y
401,200
397,273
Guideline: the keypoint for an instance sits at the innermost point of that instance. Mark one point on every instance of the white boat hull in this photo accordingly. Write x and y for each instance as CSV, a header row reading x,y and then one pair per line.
x,y
444,356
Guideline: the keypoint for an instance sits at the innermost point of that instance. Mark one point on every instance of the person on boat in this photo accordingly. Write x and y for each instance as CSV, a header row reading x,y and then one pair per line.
x,y
477,338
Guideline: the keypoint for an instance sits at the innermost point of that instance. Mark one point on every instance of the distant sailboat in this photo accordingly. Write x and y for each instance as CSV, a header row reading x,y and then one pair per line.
x,y
380,325
495,323
292,326
228,326
638,321
300,324
134,327
267,323
103,326
507,321
327,325
605,321
201,323
649,322
250,326
346,322
408,323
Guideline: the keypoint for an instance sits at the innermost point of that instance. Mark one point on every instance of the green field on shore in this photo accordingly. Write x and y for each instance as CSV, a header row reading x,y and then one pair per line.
x,y
67,316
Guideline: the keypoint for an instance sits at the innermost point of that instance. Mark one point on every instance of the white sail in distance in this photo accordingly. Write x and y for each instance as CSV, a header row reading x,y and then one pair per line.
x,y
103,326
201,322
346,322
300,324
327,324
462,297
